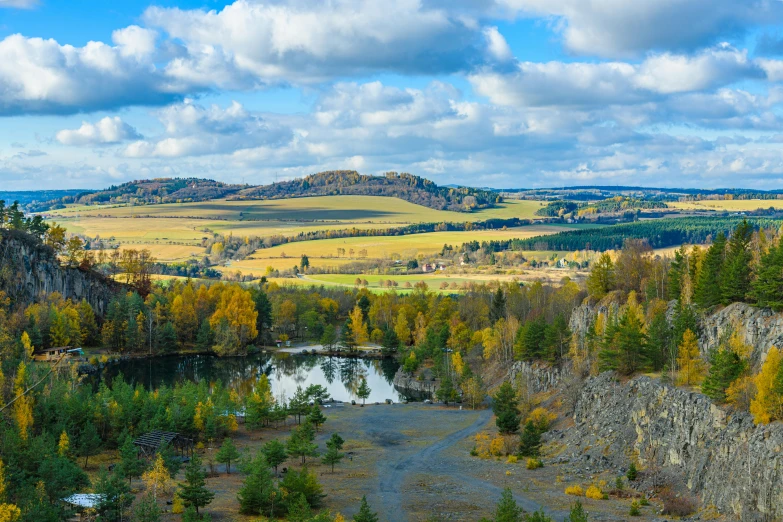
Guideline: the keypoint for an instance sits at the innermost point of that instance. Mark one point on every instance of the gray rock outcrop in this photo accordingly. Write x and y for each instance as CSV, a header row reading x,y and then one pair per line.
x,y
31,272
727,460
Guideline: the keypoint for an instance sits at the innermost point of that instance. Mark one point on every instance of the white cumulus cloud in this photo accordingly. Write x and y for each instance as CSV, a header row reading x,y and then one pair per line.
x,y
105,131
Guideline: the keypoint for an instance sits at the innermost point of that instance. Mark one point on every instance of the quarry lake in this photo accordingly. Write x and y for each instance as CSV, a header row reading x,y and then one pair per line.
x,y
341,376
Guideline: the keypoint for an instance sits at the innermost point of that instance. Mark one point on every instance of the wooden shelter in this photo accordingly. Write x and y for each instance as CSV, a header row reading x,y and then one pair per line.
x,y
150,443
50,354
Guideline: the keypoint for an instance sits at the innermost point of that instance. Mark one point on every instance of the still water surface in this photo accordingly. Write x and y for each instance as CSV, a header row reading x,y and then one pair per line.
x,y
341,376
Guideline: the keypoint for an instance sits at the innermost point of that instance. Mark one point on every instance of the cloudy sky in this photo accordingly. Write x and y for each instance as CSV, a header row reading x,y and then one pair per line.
x,y
502,93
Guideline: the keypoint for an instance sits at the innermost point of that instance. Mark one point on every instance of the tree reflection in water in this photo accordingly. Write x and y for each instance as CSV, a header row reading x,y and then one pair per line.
x,y
341,376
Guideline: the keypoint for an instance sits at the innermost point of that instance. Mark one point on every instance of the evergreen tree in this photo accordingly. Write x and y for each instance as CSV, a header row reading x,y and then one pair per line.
x,y
675,275
707,292
329,337
205,337
304,482
301,442
659,339
130,466
347,340
167,338
147,510
264,309
316,416
274,453
577,513
446,392
390,343
332,456
227,453
365,514
507,509
116,497
767,288
725,367
299,404
498,309
601,278
530,440
89,443
258,492
364,391
735,280
194,491
624,344
504,406
298,509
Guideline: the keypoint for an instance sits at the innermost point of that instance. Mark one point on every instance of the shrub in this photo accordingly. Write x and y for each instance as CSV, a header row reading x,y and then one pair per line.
x,y
635,511
534,463
594,492
177,505
618,484
496,446
512,459
576,491
644,502
541,419
577,513
679,506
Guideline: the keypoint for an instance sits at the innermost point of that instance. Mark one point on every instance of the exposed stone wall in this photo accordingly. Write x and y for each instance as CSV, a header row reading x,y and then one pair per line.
x,y
726,460
410,386
760,328
29,272
537,377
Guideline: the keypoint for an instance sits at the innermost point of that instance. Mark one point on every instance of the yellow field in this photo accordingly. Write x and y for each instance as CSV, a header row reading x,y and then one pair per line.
x,y
167,253
735,205
404,246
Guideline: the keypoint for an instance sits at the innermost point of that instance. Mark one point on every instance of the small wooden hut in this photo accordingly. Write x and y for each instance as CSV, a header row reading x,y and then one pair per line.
x,y
150,443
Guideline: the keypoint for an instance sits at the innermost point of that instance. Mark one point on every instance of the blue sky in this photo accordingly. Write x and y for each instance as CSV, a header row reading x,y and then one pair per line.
x,y
504,93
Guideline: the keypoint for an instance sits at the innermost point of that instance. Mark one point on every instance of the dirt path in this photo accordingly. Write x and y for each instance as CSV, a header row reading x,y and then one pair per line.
x,y
392,475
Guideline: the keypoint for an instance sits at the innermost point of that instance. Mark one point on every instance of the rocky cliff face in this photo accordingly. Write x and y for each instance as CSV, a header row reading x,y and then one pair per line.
x,y
727,461
760,328
29,272
537,377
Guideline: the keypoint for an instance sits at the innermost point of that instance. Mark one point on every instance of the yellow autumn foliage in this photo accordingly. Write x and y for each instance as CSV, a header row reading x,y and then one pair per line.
x,y
575,490
767,405
594,492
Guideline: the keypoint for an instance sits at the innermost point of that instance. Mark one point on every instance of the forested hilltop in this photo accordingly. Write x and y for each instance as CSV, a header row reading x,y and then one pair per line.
x,y
148,191
404,186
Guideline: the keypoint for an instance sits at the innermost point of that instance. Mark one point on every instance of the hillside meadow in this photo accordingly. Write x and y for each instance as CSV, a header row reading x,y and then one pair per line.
x,y
731,205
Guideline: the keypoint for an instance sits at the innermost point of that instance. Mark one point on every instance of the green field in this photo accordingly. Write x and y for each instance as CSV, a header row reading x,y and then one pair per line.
x,y
346,209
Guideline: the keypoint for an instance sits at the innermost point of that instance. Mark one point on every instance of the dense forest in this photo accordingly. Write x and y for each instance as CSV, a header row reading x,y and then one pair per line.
x,y
404,186
659,233
158,190
609,205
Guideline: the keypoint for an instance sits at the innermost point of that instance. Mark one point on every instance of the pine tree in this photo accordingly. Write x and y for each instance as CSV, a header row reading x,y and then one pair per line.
x,y
130,466
147,510
274,453
601,278
205,337
735,280
194,491
530,440
301,442
498,309
316,416
767,288
507,509
659,338
725,367
89,443
116,497
298,509
258,492
64,445
365,514
227,453
504,406
364,391
675,276
332,456
707,292
329,337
